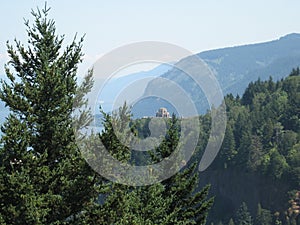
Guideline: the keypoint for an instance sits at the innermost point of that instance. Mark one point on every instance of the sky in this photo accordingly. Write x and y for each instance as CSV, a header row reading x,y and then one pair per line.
x,y
196,25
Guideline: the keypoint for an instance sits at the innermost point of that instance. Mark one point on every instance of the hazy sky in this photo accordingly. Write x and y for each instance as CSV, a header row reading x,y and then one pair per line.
x,y
196,25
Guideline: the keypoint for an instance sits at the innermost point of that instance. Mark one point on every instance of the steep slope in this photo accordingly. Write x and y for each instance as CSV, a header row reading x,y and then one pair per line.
x,y
259,161
234,68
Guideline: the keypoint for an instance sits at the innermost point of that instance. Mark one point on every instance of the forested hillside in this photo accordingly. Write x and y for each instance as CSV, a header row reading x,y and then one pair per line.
x,y
259,162
258,167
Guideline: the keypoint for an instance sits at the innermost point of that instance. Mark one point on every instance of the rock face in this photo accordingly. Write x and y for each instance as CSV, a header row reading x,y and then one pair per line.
x,y
232,187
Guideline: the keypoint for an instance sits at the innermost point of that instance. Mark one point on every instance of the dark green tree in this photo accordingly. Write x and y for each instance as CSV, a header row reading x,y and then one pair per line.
x,y
43,178
243,216
173,201
291,117
122,204
263,216
231,222
228,150
278,165
295,72
255,153
191,204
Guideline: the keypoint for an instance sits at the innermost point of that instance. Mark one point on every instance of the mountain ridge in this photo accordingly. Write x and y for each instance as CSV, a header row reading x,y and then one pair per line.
x,y
234,67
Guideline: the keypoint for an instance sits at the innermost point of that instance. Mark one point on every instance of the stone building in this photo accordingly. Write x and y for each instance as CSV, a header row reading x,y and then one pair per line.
x,y
163,112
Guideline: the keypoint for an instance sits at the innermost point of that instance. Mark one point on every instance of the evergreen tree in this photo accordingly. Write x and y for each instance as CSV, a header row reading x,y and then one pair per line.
x,y
43,178
255,153
228,150
192,205
123,204
263,217
173,201
231,222
243,216
295,72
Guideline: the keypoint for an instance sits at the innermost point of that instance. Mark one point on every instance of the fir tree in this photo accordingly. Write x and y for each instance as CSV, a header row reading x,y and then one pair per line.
x,y
173,201
122,204
228,150
231,222
43,179
263,217
243,216
191,204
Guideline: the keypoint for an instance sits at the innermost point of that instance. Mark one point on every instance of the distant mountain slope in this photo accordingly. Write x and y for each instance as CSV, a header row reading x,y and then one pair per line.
x,y
235,68
111,89
114,86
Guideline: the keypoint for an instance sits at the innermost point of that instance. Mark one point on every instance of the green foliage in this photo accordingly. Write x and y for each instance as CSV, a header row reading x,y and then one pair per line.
x,y
263,216
173,201
295,72
231,222
278,165
228,150
243,216
265,127
262,137
190,206
43,179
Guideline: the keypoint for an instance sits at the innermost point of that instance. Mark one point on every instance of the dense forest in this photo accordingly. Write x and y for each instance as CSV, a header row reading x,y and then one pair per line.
x,y
262,144
262,147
